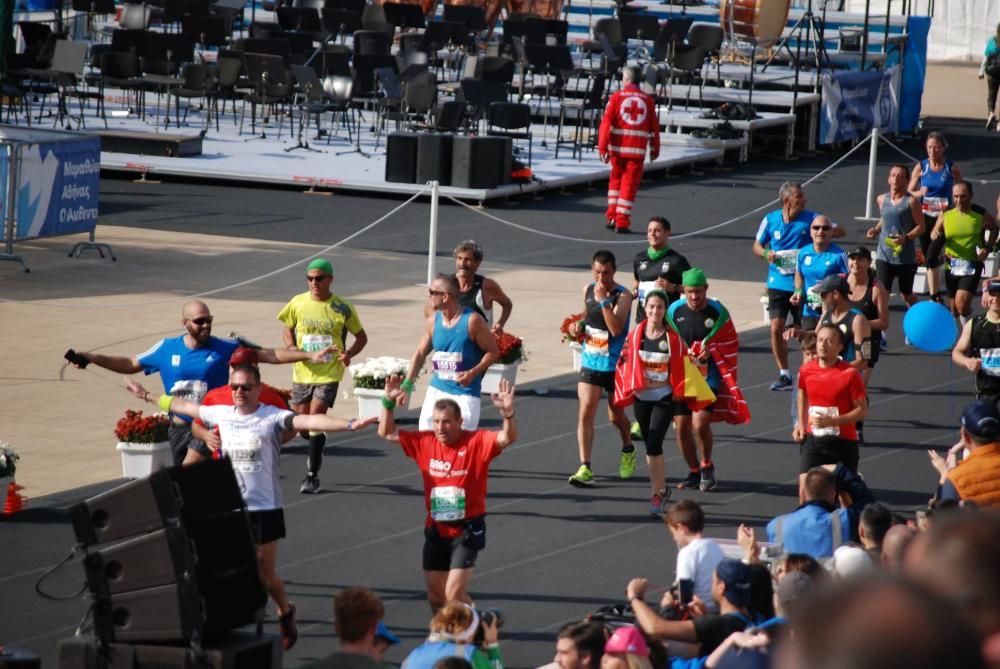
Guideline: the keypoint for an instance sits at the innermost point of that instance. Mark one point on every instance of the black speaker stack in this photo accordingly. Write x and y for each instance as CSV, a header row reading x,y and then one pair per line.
x,y
451,160
171,567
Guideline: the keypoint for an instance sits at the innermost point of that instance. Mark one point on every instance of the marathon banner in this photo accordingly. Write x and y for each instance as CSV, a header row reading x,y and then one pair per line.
x,y
58,181
855,102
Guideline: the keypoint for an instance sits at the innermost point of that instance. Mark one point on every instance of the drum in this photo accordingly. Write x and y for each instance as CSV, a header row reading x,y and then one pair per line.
x,y
762,20
428,7
491,8
547,9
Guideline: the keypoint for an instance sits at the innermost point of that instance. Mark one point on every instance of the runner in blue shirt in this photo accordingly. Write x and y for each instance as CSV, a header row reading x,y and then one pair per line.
x,y
816,262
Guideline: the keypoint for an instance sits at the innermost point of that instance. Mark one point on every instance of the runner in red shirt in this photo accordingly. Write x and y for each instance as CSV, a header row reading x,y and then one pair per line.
x,y
455,465
831,399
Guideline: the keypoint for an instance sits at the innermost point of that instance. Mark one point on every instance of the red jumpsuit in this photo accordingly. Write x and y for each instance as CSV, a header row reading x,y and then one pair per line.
x,y
629,122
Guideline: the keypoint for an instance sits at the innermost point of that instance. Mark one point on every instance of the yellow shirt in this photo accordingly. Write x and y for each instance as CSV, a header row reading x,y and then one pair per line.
x,y
317,325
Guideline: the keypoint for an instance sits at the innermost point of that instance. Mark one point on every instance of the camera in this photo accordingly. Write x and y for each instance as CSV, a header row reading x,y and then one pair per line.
x,y
682,592
487,616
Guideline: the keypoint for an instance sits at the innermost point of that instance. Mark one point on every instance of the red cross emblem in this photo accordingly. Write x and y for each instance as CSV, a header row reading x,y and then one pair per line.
x,y
633,112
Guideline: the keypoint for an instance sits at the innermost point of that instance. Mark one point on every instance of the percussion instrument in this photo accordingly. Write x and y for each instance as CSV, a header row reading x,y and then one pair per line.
x,y
762,20
547,9
491,8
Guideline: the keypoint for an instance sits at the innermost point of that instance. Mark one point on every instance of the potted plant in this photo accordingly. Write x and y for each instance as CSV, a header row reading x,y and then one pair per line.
x,y
572,334
142,441
511,350
8,465
369,378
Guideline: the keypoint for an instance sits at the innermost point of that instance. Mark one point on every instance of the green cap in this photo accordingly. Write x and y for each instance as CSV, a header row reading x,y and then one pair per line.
x,y
322,265
694,277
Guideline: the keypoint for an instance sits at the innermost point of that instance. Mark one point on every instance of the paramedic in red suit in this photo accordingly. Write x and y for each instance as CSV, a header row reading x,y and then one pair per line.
x,y
628,125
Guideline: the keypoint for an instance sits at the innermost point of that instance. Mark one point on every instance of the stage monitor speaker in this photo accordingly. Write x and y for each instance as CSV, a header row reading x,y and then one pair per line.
x,y
401,158
168,613
434,158
159,558
480,162
207,488
236,651
18,658
140,506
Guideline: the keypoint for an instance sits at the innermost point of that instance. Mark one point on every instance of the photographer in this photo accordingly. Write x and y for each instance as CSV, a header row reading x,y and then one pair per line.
x,y
731,589
459,630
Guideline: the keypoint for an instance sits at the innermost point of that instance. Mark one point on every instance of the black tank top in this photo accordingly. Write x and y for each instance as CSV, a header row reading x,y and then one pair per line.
x,y
985,336
473,298
595,314
866,305
846,327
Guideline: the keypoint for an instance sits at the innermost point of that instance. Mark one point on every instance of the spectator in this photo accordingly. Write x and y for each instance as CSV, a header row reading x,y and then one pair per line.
x,y
697,556
876,519
819,525
384,639
792,589
626,649
850,561
580,645
356,615
453,633
897,540
795,562
990,68
977,478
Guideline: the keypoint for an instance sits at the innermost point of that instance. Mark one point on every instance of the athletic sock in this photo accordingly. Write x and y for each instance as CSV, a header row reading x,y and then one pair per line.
x,y
316,443
706,463
785,372
628,449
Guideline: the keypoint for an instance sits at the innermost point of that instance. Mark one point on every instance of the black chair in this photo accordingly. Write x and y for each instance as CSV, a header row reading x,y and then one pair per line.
x,y
687,63
227,80
448,116
371,43
271,89
510,119
122,70
611,28
68,62
708,37
672,33
198,84
585,112
479,95
497,68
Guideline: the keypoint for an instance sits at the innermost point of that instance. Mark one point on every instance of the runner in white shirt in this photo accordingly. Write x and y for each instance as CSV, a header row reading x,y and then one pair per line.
x,y
251,437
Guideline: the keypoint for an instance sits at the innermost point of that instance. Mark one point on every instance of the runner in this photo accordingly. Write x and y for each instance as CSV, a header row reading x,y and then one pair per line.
x,y
900,222
659,266
455,467
840,312
978,347
871,298
478,292
251,437
814,263
316,320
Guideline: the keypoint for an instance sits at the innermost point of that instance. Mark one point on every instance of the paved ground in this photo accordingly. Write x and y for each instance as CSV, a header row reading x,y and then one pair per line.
x,y
175,240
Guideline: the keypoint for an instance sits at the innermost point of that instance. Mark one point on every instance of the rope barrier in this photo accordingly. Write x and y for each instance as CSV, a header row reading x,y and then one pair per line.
x,y
917,160
238,284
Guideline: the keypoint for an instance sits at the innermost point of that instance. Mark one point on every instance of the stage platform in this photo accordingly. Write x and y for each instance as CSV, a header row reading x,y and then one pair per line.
x,y
695,118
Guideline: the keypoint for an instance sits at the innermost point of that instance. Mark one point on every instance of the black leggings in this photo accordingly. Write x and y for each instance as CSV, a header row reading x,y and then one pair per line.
x,y
654,420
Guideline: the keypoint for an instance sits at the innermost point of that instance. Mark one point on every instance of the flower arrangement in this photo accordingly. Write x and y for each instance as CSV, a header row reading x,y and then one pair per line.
x,y
511,348
8,460
134,428
571,334
373,372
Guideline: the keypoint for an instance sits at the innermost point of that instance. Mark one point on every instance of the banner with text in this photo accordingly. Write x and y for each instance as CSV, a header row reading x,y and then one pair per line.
x,y
856,102
57,187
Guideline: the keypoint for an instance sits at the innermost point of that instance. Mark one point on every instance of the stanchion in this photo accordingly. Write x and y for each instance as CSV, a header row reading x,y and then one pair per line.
x,y
872,160
432,242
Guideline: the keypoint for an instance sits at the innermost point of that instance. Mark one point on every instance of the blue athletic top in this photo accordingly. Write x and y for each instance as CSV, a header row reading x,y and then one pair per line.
x,y
601,349
814,266
454,352
189,372
938,184
777,235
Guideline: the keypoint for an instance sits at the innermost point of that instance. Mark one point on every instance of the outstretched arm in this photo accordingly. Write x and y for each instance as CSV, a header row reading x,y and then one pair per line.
x,y
116,363
320,422
176,405
503,400
387,421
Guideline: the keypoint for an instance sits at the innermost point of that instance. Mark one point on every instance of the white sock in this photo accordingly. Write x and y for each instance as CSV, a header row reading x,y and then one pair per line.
x,y
786,372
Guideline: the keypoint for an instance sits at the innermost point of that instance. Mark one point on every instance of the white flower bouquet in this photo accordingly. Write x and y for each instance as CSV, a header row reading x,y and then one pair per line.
x,y
373,372
8,460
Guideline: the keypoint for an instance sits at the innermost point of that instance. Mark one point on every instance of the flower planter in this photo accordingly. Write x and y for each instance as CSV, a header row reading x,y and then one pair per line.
x,y
141,460
370,402
491,379
4,485
577,356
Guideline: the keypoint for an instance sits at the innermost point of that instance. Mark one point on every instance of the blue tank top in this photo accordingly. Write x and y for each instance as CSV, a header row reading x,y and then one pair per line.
x,y
428,653
938,185
600,348
454,352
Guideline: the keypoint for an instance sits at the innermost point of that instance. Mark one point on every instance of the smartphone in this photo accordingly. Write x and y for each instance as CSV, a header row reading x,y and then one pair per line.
x,y
686,590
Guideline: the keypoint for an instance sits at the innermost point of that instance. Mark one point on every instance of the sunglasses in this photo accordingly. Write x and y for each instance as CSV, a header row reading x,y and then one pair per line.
x,y
245,387
317,279
436,293
204,320
822,227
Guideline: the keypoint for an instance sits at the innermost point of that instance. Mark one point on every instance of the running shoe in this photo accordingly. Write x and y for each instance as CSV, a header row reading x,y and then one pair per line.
x,y
658,502
623,231
636,430
583,478
991,122
784,382
310,485
691,482
884,344
707,478
610,224
288,629
627,465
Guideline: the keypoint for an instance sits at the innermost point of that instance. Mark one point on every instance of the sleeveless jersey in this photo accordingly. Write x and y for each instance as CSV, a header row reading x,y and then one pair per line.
x,y
646,271
846,327
473,299
600,348
984,344
897,219
962,232
866,305
938,185
454,352
655,359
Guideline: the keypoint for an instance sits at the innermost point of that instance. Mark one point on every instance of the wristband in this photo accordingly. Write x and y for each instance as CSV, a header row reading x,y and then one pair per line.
x,y
406,386
800,292
508,417
388,403
635,597
606,302
164,403
350,425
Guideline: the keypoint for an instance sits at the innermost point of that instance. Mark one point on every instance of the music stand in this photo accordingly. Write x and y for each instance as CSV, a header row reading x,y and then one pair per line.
x,y
672,33
206,30
474,18
350,5
404,15
549,60
341,22
263,71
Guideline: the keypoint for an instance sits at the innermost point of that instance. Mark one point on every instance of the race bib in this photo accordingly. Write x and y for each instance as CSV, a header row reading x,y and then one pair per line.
x,y
244,452
833,431
655,366
189,389
933,206
644,288
784,261
316,342
991,361
814,300
961,267
595,341
447,365
447,503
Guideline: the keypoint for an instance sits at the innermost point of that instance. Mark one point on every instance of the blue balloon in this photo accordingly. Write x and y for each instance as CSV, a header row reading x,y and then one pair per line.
x,y
930,327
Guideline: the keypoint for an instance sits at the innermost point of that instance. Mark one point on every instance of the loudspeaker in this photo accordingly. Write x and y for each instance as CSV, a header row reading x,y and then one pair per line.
x,y
159,558
165,613
401,158
17,658
207,488
133,508
480,162
434,158
236,651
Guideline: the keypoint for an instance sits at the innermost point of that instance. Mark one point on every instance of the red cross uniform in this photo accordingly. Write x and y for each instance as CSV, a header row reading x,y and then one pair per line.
x,y
628,126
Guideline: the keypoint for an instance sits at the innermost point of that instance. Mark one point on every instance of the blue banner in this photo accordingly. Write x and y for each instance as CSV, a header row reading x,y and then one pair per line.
x,y
855,102
58,183
914,69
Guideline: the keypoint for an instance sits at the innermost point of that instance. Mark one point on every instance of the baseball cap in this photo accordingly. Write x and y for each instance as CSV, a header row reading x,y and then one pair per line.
x,y
322,265
993,286
627,639
832,282
243,356
851,561
982,419
736,576
861,251
384,632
